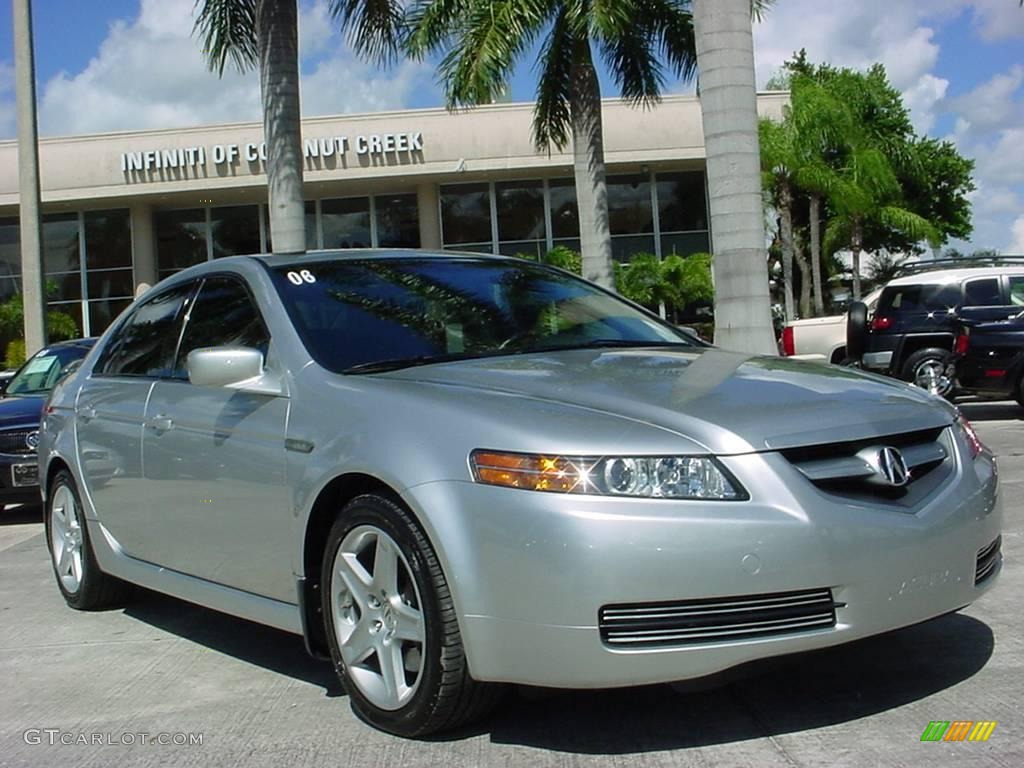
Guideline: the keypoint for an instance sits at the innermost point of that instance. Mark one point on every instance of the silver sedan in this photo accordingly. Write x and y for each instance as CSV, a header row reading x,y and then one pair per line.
x,y
448,472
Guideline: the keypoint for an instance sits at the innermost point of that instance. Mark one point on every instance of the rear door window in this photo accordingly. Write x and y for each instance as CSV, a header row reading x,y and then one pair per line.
x,y
144,345
1017,291
920,298
982,293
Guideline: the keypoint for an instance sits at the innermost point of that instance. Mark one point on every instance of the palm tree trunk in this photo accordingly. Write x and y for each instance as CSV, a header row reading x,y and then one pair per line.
x,y
815,216
805,278
856,243
786,238
588,168
277,39
725,58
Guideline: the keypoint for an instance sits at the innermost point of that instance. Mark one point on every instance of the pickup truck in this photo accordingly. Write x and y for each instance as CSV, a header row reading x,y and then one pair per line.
x,y
820,336
989,359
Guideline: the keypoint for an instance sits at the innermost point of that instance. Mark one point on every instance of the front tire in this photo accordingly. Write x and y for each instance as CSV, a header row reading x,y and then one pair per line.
x,y
930,370
84,586
391,624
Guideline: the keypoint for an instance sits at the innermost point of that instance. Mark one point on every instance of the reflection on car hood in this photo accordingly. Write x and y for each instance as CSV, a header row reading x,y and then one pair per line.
x,y
17,411
726,401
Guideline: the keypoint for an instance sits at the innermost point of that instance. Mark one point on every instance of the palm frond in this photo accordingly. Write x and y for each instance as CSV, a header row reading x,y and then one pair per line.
x,y
759,8
488,41
552,116
430,23
909,223
670,23
375,28
228,32
628,47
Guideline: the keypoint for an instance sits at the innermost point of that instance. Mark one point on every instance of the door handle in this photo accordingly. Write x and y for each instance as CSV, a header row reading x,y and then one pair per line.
x,y
87,414
160,423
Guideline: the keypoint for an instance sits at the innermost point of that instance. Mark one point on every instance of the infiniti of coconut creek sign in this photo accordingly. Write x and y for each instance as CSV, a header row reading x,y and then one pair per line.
x,y
329,150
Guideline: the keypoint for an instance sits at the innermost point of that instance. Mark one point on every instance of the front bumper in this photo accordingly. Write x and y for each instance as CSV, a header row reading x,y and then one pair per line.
x,y
530,571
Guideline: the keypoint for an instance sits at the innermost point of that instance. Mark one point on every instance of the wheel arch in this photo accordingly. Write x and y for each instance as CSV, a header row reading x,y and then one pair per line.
x,y
323,512
55,465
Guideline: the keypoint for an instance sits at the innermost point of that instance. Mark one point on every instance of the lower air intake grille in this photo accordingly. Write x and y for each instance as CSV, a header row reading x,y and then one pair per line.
x,y
988,559
716,620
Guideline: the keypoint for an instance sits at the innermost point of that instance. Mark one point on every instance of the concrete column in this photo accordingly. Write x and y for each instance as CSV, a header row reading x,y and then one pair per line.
x,y
429,204
143,247
31,233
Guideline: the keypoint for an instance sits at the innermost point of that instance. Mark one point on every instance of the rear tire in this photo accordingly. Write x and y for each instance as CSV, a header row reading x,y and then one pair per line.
x,y
929,369
84,586
391,624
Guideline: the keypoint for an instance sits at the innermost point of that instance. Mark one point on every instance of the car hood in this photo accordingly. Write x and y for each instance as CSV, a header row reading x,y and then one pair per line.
x,y
727,402
17,411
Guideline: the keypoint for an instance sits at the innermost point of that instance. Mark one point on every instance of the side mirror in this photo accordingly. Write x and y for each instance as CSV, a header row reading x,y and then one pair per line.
x,y
856,330
224,366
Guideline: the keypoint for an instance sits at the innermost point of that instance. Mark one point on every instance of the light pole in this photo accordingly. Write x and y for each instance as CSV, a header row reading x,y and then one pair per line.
x,y
32,287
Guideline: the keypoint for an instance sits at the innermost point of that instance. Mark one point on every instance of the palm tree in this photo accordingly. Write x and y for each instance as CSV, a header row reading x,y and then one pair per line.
x,y
265,33
868,191
482,42
725,57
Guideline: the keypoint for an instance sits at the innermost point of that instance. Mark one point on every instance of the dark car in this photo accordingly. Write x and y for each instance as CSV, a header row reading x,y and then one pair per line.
x,y
911,334
990,359
20,408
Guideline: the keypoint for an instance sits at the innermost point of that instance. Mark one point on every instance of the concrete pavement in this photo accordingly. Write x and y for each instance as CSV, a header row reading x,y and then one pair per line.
x,y
161,666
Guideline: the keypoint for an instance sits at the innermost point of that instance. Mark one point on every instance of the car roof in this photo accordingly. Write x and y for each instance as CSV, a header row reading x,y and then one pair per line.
x,y
355,254
943,276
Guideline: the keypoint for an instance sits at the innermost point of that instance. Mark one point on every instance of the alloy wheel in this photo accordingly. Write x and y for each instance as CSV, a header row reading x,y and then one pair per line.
x,y
378,617
66,540
933,376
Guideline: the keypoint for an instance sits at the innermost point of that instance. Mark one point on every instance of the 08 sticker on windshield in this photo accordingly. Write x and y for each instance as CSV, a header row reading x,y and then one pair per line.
x,y
301,277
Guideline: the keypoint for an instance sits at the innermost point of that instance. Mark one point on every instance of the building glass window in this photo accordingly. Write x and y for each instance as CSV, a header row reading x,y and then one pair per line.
x,y
466,216
398,221
565,214
682,213
346,222
630,217
10,258
235,230
180,239
110,281
520,208
62,265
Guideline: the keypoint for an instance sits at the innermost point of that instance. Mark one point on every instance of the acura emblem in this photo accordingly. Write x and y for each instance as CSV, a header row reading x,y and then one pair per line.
x,y
32,440
892,467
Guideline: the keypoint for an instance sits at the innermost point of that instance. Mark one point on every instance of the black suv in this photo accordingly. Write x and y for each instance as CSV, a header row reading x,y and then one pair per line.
x,y
912,332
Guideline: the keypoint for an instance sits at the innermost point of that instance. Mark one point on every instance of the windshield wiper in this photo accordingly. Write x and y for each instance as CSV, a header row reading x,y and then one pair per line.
x,y
397,363
612,343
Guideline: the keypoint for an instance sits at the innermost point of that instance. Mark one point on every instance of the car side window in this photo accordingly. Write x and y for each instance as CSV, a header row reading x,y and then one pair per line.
x,y
1017,291
982,293
145,343
223,314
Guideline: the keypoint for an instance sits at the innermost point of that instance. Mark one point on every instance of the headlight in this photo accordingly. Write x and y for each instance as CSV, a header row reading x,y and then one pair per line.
x,y
973,441
661,477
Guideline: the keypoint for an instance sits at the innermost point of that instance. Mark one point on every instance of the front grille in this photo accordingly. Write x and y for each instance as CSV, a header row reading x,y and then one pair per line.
x,y
841,469
988,559
14,442
716,619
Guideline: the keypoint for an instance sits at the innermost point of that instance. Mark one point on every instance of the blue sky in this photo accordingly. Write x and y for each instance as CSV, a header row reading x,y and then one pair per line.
x,y
127,64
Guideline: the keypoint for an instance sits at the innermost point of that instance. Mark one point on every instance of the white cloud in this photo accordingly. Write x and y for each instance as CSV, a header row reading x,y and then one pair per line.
x,y
997,19
1017,244
149,73
922,99
990,105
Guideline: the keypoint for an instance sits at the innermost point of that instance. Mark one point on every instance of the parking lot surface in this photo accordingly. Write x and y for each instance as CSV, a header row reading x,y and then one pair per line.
x,y
161,670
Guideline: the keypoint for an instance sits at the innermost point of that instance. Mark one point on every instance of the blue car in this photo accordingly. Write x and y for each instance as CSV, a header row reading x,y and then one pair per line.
x,y
20,408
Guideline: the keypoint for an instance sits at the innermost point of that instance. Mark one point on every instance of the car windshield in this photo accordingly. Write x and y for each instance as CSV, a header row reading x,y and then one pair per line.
x,y
362,315
43,370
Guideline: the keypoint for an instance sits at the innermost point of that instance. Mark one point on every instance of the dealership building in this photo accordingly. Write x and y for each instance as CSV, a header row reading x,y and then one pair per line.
x,y
123,210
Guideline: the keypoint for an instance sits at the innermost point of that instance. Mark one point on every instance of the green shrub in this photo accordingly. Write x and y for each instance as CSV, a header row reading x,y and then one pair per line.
x,y
565,258
15,353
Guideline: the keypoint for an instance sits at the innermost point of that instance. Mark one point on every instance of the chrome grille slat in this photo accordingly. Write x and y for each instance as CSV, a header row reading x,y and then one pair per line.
x,y
716,619
13,442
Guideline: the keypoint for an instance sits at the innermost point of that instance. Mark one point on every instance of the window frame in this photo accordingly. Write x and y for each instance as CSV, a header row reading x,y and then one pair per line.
x,y
999,289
